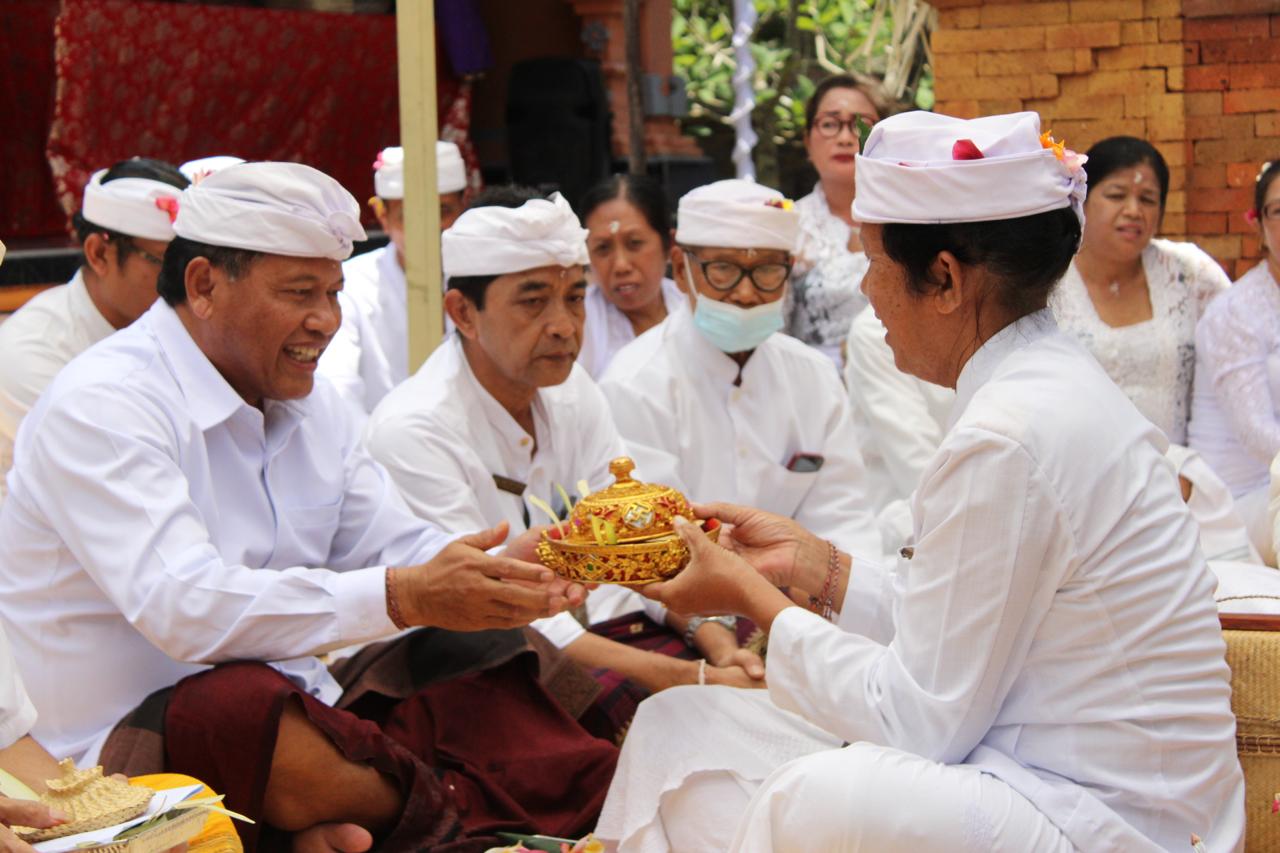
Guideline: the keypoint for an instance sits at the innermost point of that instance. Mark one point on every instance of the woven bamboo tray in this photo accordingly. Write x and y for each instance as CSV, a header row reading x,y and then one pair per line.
x,y
171,833
1253,653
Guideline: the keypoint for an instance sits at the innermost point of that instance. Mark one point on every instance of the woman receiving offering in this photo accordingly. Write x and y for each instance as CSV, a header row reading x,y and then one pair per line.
x,y
1043,670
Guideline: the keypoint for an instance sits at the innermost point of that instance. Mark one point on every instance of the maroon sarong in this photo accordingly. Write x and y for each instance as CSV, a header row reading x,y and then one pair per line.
x,y
473,755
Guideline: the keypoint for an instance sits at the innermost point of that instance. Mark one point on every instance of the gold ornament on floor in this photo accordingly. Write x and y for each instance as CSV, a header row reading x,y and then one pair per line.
x,y
89,800
623,534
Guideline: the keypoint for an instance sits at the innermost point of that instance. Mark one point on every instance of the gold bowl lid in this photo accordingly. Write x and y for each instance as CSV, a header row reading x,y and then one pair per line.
x,y
627,511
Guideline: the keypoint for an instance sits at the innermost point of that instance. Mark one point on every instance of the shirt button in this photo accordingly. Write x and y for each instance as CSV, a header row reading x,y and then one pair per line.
x,y
524,442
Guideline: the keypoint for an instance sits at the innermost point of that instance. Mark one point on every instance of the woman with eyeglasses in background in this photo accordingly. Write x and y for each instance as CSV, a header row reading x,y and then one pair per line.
x,y
829,263
1235,414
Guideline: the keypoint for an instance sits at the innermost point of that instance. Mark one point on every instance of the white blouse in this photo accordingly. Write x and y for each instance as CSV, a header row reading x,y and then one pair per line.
x,y
1153,362
608,330
826,283
1235,411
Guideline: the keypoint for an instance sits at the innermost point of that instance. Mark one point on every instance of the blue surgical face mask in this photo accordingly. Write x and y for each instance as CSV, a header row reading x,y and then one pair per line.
x,y
733,329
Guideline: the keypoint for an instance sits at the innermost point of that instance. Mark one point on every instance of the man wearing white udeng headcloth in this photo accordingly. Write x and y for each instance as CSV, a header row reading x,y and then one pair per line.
x,y
187,495
123,226
718,402
502,413
370,354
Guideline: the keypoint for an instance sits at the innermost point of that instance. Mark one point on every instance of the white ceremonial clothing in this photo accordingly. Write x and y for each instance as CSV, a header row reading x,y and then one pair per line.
x,y
1055,628
900,422
35,344
826,282
1154,361
1235,408
370,353
17,714
158,524
608,330
443,438
687,424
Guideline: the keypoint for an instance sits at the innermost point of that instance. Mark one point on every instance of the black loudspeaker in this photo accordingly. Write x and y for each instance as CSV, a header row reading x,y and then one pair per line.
x,y
558,125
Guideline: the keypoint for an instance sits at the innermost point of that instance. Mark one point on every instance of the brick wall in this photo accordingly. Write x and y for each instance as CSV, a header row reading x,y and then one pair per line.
x,y
1199,79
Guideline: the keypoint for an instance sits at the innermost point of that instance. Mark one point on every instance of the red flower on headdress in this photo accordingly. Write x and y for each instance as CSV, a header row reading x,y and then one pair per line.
x,y
169,204
964,149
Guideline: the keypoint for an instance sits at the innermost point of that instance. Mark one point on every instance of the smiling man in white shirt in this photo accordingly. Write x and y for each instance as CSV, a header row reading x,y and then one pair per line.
x,y
123,226
718,402
175,495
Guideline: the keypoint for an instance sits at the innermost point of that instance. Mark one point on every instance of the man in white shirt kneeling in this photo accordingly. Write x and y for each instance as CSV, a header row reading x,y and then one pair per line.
x,y
193,520
501,414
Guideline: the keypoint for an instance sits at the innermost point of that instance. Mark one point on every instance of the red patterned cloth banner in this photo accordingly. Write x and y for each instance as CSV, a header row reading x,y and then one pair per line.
x,y
184,81
28,207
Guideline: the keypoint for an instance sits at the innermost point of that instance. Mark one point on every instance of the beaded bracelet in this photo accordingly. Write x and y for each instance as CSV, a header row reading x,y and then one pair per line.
x,y
393,604
827,600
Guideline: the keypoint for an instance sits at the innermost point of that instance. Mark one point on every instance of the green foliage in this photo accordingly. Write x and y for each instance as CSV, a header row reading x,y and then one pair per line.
x,y
793,48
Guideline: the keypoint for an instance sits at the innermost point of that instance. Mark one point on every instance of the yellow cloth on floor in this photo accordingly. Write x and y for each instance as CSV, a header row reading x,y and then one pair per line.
x,y
219,833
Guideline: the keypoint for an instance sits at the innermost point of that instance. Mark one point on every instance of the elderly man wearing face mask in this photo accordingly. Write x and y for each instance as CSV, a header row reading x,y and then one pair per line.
x,y
718,402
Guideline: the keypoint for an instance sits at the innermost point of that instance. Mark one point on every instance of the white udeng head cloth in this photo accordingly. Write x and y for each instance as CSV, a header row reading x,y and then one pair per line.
x,y
139,207
276,208
198,170
388,171
500,240
926,168
451,172
736,214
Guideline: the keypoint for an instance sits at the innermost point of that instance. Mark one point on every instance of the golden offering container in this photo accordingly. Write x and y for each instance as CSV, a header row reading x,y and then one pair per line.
x,y
623,534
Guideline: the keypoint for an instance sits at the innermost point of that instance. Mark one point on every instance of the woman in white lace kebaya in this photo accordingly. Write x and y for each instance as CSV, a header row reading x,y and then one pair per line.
x,y
826,281
1134,301
1235,423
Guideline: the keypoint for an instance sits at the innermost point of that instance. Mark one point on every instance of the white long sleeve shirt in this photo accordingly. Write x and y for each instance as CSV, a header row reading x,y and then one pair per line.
x,y
1056,625
443,438
688,425
35,343
370,353
159,524
17,714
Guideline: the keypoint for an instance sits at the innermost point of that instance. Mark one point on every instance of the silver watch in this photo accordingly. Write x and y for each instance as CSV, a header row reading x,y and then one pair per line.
x,y
696,622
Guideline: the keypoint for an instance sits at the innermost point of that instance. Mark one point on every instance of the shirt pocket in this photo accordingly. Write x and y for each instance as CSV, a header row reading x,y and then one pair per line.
x,y
306,533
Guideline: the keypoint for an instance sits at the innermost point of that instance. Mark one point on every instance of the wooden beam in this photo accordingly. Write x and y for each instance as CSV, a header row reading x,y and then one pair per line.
x,y
416,52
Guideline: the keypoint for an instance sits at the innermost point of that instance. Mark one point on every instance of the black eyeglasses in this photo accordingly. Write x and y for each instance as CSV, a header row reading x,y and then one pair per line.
x,y
829,126
1271,211
127,245
725,275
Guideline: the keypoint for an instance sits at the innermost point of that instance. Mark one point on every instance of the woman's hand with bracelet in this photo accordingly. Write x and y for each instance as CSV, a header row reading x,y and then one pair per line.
x,y
776,546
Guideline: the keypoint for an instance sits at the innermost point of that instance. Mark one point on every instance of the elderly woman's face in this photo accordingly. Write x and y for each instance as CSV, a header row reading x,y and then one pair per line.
x,y
627,255
832,141
910,321
1122,213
